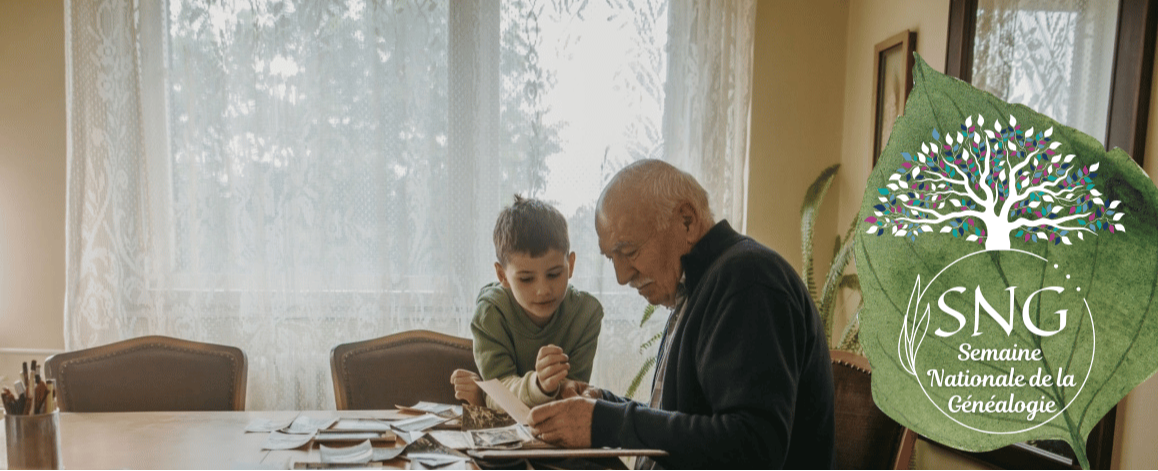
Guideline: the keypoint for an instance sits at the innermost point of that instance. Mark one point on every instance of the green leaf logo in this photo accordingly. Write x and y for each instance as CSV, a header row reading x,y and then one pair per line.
x,y
1005,299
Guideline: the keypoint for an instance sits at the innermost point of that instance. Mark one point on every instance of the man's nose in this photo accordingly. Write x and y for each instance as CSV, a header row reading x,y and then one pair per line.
x,y
624,272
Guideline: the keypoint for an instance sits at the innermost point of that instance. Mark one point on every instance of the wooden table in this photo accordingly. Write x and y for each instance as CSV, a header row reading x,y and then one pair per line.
x,y
183,440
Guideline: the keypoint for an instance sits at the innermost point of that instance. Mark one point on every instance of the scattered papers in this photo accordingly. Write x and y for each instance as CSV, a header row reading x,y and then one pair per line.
x,y
419,423
411,437
265,425
425,445
452,439
306,425
441,410
386,454
355,436
495,437
482,417
360,425
360,453
513,436
432,462
286,441
507,400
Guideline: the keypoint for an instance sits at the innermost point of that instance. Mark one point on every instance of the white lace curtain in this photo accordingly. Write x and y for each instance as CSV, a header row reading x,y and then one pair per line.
x,y
1055,56
286,176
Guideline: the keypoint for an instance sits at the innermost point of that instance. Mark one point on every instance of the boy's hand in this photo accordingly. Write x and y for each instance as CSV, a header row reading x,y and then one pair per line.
x,y
551,367
465,388
573,388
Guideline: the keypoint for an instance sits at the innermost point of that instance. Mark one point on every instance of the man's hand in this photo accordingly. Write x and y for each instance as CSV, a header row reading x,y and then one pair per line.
x,y
573,388
551,368
566,422
465,388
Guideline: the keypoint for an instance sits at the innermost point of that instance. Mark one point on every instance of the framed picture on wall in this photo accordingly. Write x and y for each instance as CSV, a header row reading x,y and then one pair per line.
x,y
892,81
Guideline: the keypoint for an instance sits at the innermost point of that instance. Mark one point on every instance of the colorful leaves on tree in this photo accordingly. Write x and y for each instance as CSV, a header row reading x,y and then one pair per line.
x,y
991,184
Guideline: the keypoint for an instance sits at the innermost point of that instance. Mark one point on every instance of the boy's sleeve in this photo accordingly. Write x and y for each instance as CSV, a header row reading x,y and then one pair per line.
x,y
583,355
493,351
494,356
526,388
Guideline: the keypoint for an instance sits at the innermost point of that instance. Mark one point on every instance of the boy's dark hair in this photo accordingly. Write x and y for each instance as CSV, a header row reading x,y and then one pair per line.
x,y
530,226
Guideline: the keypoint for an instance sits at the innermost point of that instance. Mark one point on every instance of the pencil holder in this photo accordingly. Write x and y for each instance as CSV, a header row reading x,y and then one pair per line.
x,y
33,441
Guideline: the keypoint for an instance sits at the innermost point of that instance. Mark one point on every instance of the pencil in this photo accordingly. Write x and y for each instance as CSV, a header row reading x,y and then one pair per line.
x,y
9,401
41,396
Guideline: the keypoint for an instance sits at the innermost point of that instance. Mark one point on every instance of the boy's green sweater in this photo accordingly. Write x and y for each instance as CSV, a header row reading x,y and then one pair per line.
x,y
506,342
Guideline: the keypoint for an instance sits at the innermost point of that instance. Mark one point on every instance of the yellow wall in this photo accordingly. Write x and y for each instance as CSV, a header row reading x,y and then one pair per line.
x,y
32,178
797,104
870,22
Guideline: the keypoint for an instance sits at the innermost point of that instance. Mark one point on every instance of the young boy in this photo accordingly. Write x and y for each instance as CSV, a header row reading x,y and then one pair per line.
x,y
532,330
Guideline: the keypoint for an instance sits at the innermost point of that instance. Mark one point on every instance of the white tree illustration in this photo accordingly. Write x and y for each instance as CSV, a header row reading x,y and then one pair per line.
x,y
992,185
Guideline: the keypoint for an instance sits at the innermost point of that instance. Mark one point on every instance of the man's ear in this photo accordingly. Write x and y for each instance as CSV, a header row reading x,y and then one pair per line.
x,y
570,265
690,221
502,274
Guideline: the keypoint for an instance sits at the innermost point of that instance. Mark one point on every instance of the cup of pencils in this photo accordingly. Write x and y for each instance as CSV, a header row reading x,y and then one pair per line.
x,y
31,422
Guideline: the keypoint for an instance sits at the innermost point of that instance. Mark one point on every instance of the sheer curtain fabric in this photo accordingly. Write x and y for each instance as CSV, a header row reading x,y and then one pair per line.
x,y
286,176
1055,56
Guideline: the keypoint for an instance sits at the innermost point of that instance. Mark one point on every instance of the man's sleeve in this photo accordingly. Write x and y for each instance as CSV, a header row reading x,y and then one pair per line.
x,y
583,355
747,365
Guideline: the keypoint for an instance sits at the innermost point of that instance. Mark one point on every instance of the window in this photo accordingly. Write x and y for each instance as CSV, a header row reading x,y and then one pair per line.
x,y
1060,51
284,176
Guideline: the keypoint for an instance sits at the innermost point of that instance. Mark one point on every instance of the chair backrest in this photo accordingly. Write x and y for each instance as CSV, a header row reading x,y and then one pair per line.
x,y
152,373
399,369
866,437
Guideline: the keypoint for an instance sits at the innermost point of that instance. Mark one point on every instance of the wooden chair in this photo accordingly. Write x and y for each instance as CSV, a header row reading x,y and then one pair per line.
x,y
866,438
152,373
398,369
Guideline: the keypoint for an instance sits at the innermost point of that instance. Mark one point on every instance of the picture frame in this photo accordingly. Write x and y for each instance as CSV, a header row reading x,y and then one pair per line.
x,y
892,82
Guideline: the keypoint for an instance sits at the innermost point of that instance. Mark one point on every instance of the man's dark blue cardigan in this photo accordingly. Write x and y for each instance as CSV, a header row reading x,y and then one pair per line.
x,y
749,377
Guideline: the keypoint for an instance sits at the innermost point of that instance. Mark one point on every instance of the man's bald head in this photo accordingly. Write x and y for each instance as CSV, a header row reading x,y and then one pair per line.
x,y
659,187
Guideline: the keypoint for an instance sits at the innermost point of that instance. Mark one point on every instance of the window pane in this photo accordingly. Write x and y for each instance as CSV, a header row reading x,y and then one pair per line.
x,y
582,96
1055,56
307,135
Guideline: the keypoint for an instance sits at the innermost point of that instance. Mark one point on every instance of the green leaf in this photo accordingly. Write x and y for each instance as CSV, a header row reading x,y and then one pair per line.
x,y
850,339
914,261
654,338
808,210
647,312
850,281
638,379
832,281
836,246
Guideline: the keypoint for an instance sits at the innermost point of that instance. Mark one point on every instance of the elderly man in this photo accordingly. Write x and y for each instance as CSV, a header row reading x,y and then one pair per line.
x,y
743,377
